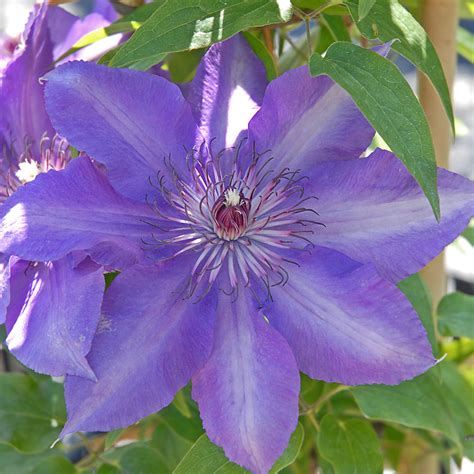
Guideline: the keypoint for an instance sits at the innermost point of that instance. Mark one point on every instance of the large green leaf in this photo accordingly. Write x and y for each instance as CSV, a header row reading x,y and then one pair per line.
x,y
425,402
388,20
189,428
417,292
196,24
32,411
349,446
456,315
384,96
142,460
170,445
13,461
207,458
55,465
331,29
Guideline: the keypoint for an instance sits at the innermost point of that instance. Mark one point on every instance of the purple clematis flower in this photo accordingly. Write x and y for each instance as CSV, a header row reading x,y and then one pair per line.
x,y
44,331
254,243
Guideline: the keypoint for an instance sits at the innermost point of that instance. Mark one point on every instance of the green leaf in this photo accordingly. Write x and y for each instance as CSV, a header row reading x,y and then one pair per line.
x,y
187,428
468,234
182,66
55,465
142,460
459,394
364,8
206,458
126,24
13,461
262,52
196,24
99,34
392,442
326,466
350,446
418,294
456,315
336,27
332,7
32,411
181,403
112,437
388,20
465,44
332,29
384,96
291,452
466,9
108,469
170,445
422,402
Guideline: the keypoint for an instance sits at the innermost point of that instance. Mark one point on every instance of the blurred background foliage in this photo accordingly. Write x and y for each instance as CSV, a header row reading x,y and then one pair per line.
x,y
342,430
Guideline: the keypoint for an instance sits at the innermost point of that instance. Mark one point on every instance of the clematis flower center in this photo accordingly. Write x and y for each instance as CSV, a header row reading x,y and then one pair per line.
x,y
230,212
242,218
54,154
27,171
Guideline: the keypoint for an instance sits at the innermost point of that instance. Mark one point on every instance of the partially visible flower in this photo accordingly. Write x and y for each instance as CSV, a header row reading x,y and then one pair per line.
x,y
44,330
277,255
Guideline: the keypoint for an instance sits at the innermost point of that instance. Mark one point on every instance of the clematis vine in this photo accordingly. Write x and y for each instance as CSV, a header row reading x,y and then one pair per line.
x,y
253,239
44,332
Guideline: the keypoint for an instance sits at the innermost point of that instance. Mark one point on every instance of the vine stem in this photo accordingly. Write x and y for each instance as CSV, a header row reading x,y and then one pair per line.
x,y
309,409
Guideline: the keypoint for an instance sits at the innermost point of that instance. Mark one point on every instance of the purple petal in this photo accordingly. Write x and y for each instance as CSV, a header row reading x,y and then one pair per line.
x,y
130,121
374,211
53,315
248,390
227,91
347,324
305,120
74,209
67,29
4,286
105,9
150,342
21,94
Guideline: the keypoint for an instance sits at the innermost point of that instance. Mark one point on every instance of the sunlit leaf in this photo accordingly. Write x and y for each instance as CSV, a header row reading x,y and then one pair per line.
x,y
388,20
384,96
196,24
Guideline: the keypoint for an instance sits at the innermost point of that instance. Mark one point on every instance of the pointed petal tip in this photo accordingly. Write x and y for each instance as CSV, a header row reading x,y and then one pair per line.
x,y
84,370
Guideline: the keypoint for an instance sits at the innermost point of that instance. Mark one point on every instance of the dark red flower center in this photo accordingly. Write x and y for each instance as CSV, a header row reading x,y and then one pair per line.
x,y
230,212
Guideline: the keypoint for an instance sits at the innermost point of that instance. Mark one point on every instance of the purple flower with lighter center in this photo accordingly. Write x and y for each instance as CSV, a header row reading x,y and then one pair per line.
x,y
267,247
43,331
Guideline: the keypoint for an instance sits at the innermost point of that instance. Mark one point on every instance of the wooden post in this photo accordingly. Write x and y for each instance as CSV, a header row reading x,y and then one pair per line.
x,y
440,20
